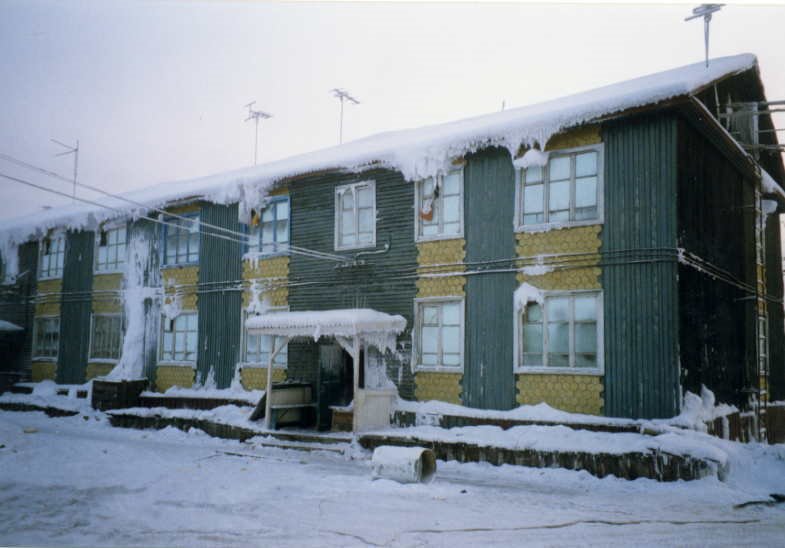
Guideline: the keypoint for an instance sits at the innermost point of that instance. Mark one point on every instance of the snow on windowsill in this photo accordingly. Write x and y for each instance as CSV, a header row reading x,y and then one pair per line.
x,y
259,365
544,370
457,369
548,227
192,365
438,238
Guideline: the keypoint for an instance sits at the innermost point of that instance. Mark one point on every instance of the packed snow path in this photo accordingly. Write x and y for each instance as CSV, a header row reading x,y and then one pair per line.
x,y
77,481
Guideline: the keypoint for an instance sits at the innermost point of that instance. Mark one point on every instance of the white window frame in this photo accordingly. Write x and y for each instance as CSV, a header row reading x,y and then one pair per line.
x,y
161,359
417,334
256,233
418,236
763,344
61,236
243,355
539,227
93,359
36,356
193,219
118,266
572,370
339,190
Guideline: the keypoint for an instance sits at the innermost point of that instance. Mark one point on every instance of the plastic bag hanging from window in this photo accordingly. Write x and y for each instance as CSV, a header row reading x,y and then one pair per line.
x,y
255,217
426,206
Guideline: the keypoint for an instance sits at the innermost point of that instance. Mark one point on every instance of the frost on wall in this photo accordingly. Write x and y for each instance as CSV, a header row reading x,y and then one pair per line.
x,y
9,255
139,314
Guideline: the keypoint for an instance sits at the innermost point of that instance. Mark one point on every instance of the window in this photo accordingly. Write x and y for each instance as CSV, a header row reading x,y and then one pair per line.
x,y
106,337
355,215
47,337
440,206
563,333
179,340
111,250
271,234
257,348
181,240
51,257
440,334
566,190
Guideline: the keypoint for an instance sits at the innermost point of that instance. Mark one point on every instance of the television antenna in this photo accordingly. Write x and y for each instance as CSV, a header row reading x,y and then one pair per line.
x,y
71,150
342,95
705,11
256,115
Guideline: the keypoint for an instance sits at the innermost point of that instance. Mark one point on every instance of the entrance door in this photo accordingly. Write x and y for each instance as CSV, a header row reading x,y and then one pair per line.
x,y
335,384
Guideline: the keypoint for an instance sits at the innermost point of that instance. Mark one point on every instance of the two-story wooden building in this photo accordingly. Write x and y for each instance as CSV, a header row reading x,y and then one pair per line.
x,y
602,252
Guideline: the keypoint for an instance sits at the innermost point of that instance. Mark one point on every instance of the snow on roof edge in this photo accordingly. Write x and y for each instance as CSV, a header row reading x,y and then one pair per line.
x,y
416,153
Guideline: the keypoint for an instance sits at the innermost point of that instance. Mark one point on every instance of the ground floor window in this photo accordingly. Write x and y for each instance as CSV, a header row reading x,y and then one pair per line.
x,y
439,333
179,338
257,348
47,337
562,332
106,337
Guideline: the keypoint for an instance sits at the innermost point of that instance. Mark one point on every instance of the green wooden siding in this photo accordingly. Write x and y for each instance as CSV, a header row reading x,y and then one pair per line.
x,y
489,203
75,307
776,322
17,306
639,277
386,282
147,232
219,298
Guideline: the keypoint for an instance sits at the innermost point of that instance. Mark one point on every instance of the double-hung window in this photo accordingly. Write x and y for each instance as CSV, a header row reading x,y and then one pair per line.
x,y
179,338
257,348
439,334
271,234
440,206
106,337
563,332
567,190
47,337
111,249
355,215
181,240
51,257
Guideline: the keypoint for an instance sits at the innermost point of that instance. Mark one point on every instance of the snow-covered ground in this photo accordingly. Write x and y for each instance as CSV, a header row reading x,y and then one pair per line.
x,y
77,481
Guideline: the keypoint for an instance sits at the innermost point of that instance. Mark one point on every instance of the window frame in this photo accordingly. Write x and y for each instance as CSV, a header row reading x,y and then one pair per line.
x,y
35,354
339,190
763,344
117,267
59,235
165,239
539,227
244,315
518,313
418,236
417,334
283,249
94,359
161,359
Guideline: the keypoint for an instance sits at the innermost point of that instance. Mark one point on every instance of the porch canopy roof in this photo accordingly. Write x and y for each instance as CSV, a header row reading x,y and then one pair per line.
x,y
351,322
6,326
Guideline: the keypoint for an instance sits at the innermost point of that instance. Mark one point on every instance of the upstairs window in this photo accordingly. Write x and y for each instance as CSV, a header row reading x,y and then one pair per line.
x,y
179,340
440,206
269,232
111,250
47,337
51,257
355,215
106,337
181,240
566,190
563,333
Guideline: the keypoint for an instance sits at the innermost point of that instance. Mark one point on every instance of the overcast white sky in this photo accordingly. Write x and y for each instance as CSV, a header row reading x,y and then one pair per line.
x,y
154,91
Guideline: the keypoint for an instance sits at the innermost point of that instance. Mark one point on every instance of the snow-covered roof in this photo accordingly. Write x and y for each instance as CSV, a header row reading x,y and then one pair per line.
x,y
416,153
349,322
770,186
8,326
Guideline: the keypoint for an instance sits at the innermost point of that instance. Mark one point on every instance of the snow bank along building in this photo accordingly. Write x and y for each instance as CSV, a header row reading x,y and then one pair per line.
x,y
602,253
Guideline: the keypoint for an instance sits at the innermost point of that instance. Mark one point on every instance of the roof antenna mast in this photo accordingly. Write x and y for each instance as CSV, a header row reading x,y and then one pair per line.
x,y
705,11
70,150
256,115
342,95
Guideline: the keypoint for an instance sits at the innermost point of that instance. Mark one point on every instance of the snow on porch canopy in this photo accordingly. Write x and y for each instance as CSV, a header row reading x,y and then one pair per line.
x,y
6,326
371,326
